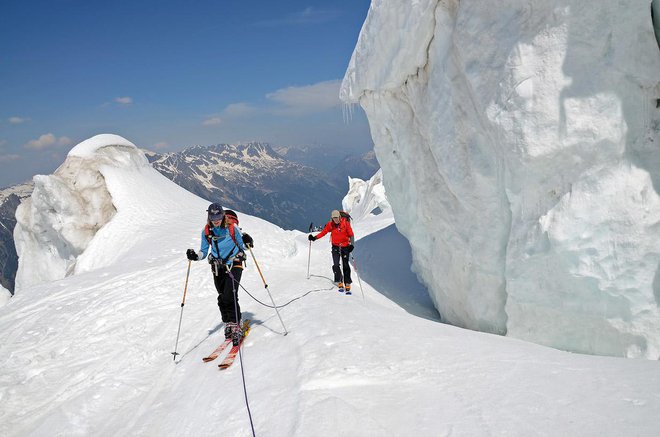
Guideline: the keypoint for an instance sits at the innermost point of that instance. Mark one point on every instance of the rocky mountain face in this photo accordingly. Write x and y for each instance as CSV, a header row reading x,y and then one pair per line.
x,y
10,198
255,179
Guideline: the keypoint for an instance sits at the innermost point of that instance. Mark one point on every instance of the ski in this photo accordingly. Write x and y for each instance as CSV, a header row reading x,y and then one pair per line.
x,y
216,353
231,356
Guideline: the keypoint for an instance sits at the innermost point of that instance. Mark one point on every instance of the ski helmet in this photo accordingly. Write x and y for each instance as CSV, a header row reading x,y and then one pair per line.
x,y
215,212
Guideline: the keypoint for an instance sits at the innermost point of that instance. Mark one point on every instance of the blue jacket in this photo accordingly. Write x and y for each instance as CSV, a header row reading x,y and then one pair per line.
x,y
224,244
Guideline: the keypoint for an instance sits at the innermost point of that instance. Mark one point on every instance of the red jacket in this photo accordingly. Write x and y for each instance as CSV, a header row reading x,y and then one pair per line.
x,y
341,233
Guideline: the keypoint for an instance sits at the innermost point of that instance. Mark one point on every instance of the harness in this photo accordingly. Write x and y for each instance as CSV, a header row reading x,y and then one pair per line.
x,y
212,239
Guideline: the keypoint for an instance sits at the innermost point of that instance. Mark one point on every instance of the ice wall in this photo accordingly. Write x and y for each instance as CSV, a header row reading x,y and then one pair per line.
x,y
519,142
655,5
66,210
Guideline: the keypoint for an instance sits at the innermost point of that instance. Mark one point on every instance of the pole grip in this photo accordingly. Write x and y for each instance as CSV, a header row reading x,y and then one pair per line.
x,y
185,287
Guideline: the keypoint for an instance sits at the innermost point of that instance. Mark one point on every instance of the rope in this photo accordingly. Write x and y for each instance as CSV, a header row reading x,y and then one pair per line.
x,y
289,302
267,290
240,350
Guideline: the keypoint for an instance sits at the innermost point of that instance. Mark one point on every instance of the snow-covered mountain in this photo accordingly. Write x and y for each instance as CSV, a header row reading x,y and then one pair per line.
x,y
90,354
519,147
253,178
10,198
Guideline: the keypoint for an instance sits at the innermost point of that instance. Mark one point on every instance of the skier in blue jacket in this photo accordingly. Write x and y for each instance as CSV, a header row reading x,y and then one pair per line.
x,y
227,252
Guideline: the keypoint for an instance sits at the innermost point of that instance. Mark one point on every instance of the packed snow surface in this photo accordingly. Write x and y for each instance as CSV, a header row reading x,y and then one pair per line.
x,y
519,147
90,354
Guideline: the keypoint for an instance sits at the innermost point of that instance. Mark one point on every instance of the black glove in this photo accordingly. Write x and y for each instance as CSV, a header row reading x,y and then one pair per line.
x,y
311,237
192,255
350,248
249,242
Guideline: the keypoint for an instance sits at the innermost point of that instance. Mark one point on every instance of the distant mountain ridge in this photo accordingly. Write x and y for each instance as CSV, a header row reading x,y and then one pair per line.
x,y
255,179
10,198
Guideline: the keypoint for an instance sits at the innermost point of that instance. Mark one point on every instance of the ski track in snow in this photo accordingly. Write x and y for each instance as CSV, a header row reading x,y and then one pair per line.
x,y
117,376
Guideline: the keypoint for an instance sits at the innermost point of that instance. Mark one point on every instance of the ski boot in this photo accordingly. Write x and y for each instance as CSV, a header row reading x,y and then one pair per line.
x,y
348,289
237,334
340,287
229,329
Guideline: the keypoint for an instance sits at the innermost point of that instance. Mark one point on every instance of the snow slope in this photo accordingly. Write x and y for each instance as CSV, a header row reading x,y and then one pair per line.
x,y
89,354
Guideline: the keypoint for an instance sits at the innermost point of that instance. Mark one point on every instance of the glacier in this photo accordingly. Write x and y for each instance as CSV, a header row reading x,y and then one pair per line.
x,y
519,148
90,353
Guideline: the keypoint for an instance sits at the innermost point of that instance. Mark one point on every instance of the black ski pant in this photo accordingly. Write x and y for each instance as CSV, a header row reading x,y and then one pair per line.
x,y
343,254
226,295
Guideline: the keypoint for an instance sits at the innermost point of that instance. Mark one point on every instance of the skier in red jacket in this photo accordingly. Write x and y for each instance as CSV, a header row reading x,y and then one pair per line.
x,y
342,240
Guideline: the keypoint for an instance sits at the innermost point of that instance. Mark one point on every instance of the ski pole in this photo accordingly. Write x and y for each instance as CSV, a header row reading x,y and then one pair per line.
x,y
267,290
358,276
309,257
183,302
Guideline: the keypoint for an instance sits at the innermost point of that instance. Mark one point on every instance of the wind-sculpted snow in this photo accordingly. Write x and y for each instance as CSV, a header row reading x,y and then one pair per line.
x,y
55,225
519,148
58,230
367,203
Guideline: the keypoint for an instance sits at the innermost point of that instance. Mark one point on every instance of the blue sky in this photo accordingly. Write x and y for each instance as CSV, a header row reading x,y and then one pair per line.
x,y
170,74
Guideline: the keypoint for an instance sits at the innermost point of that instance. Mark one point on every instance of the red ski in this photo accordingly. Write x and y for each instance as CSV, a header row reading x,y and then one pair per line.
x,y
231,356
216,353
